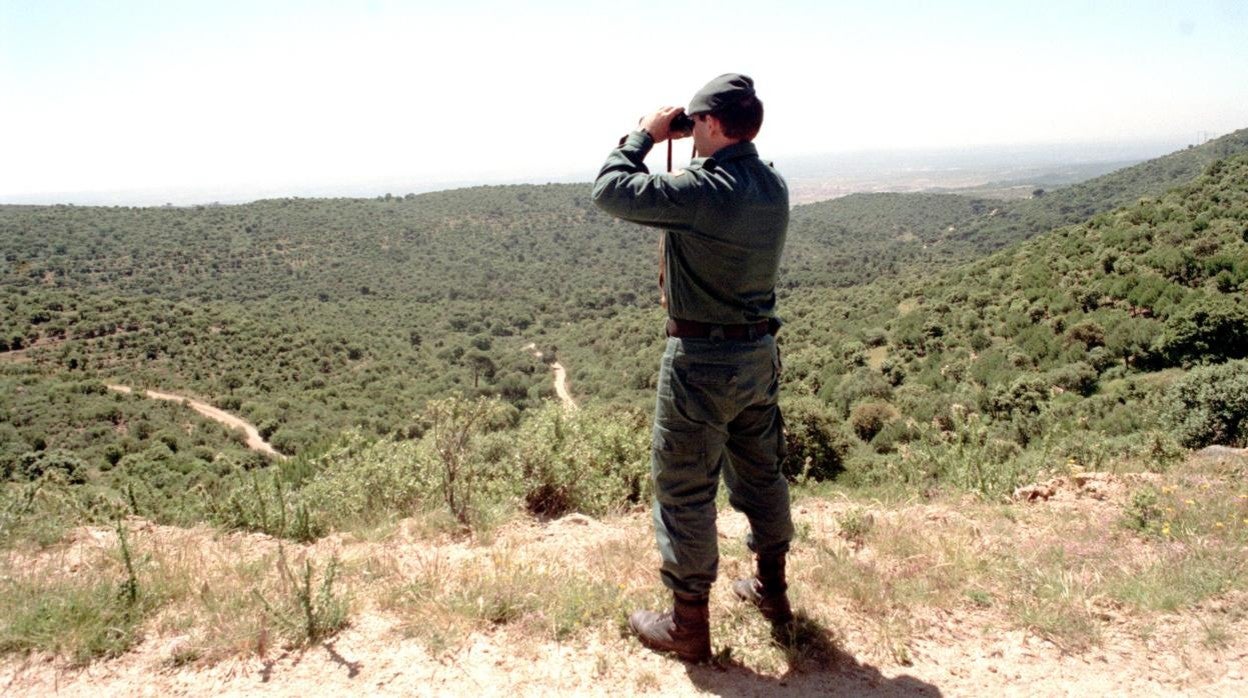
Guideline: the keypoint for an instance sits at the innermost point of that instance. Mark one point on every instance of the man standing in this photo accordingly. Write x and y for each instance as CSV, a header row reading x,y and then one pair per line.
x,y
724,218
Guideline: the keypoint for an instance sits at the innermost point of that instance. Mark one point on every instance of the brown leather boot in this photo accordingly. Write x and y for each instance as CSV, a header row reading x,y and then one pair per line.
x,y
685,630
767,590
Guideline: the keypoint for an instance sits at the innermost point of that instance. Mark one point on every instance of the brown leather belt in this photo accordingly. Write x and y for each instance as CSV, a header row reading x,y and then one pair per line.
x,y
692,329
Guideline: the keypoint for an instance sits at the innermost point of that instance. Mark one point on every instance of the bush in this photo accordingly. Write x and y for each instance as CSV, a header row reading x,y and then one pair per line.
x,y
868,418
1078,378
594,461
361,482
966,455
895,433
1144,513
262,503
862,383
455,426
1089,332
815,440
32,465
1211,329
1210,406
1026,395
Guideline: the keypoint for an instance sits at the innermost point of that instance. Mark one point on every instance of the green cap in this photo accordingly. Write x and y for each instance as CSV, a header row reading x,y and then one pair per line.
x,y
723,90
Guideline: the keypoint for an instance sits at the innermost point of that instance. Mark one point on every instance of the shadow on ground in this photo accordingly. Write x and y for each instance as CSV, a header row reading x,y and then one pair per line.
x,y
817,666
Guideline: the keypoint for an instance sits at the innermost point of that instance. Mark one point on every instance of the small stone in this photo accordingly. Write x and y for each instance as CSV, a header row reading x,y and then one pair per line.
x,y
1031,493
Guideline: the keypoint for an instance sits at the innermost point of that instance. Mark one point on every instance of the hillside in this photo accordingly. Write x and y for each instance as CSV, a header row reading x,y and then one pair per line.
x,y
480,244
545,245
858,238
307,316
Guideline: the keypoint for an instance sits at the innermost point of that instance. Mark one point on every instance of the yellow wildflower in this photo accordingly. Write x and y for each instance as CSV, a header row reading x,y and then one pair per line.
x,y
1189,501
1217,524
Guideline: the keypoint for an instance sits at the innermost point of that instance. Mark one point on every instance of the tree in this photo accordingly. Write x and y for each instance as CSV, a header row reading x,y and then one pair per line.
x,y
1212,328
481,365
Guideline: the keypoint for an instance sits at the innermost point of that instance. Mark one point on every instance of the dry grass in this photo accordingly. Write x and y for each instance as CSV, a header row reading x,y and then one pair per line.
x,y
210,596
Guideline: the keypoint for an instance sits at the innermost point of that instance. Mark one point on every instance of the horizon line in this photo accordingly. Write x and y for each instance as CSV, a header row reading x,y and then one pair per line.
x,y
181,196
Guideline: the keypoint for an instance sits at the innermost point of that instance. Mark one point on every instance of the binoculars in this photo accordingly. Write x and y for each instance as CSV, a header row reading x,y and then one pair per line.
x,y
683,123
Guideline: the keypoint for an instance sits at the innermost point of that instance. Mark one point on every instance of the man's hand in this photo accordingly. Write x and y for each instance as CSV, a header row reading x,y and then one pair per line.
x,y
659,124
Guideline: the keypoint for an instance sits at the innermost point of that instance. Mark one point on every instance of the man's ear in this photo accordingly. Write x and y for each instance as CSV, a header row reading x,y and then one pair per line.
x,y
714,126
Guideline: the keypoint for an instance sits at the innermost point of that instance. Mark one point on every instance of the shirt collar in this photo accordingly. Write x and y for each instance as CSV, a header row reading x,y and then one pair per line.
x,y
739,149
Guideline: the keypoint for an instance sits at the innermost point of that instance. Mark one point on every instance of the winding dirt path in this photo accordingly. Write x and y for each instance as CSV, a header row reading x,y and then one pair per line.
x,y
561,379
254,440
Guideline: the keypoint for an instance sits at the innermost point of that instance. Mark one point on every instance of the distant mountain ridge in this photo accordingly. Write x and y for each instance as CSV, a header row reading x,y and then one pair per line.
x,y
852,240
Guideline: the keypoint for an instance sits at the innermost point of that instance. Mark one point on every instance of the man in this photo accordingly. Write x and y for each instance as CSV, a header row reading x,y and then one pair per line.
x,y
724,218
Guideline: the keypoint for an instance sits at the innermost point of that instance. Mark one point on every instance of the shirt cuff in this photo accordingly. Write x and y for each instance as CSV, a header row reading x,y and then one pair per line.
x,y
638,140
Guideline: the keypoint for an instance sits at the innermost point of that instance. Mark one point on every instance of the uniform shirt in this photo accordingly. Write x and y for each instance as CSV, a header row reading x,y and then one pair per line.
x,y
725,218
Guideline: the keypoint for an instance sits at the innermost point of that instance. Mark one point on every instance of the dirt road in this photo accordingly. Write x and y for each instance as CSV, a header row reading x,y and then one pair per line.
x,y
561,379
254,440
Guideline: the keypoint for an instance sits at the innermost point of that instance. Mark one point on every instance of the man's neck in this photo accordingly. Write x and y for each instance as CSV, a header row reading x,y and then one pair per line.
x,y
719,144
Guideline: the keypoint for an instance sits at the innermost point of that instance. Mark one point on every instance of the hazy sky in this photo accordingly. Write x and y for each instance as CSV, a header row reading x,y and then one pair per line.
x,y
123,94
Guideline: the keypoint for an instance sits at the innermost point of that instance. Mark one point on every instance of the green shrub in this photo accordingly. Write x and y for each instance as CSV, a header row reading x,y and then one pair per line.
x,y
1208,329
1144,513
1078,378
263,503
1025,395
594,460
306,612
359,482
895,433
853,387
967,455
855,524
455,428
868,418
1089,332
1210,406
815,440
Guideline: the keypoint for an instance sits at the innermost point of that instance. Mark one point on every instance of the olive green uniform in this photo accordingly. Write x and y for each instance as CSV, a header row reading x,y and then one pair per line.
x,y
725,218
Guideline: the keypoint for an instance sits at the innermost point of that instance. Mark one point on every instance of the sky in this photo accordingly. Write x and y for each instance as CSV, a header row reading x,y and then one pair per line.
x,y
273,96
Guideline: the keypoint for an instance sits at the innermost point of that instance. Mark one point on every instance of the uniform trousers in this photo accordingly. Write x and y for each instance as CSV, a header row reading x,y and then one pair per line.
x,y
717,412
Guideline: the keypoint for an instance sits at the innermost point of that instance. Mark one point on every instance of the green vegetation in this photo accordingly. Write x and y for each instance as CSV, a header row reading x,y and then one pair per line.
x,y
80,618
1210,406
308,612
313,318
